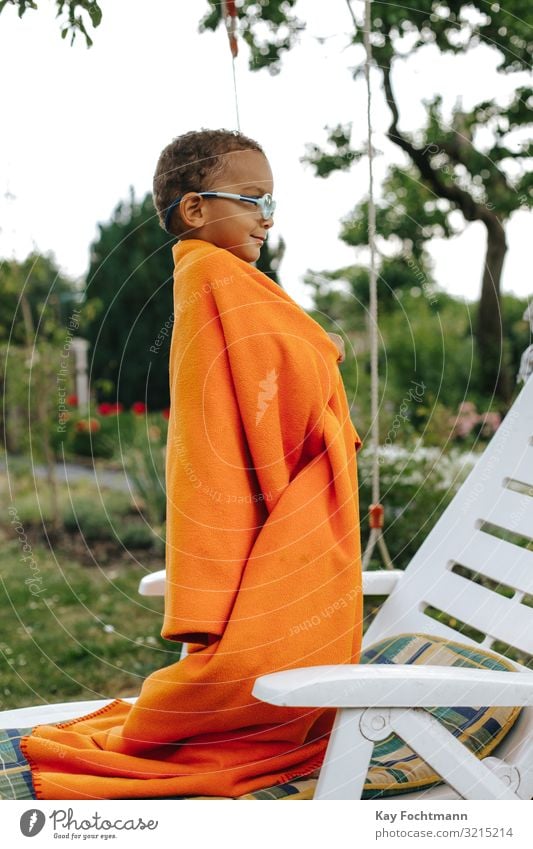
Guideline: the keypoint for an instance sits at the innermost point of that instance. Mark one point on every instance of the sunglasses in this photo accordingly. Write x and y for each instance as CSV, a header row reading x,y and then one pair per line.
x,y
265,203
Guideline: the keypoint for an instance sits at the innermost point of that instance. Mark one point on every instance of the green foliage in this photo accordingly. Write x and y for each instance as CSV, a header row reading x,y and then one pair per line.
x,y
30,392
145,466
431,345
340,158
72,10
416,486
409,215
109,518
425,338
268,28
136,536
51,298
86,443
397,275
516,332
96,435
129,288
90,519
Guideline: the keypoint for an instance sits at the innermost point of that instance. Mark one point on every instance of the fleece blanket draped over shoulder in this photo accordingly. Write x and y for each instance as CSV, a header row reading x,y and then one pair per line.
x,y
263,553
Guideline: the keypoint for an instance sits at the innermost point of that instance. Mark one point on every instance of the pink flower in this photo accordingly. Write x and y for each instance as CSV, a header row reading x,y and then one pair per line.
x,y
490,423
138,408
467,419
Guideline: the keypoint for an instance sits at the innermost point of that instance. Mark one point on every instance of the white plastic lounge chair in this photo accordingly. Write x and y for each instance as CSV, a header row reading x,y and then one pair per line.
x,y
375,700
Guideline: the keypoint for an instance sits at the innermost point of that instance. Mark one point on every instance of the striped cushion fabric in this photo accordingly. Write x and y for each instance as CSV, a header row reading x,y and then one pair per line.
x,y
15,774
394,768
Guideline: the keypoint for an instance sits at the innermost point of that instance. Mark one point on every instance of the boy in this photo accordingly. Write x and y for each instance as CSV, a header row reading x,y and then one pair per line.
x,y
263,556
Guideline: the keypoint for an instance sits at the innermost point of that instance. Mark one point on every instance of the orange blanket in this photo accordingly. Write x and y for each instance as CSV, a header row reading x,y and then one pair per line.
x,y
263,555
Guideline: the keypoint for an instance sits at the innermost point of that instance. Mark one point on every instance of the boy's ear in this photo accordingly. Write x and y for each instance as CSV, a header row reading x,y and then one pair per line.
x,y
192,210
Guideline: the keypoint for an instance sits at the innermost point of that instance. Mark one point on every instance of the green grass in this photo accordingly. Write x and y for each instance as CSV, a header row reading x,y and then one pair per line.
x,y
87,634
84,632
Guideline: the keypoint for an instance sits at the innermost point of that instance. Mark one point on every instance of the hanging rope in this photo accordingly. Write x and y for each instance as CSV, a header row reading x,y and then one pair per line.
x,y
229,16
376,511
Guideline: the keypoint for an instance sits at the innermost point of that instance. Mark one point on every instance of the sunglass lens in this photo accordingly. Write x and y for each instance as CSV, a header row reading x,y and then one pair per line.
x,y
268,206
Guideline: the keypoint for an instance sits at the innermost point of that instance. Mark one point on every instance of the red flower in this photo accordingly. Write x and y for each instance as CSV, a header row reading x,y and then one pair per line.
x,y
138,408
72,400
107,409
166,413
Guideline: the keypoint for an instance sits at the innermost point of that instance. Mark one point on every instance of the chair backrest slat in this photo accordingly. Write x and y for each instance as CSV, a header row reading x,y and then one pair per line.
x,y
512,511
483,554
493,615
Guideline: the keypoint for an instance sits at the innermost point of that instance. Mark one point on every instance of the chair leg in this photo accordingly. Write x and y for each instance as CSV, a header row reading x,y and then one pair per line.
x,y
347,758
448,757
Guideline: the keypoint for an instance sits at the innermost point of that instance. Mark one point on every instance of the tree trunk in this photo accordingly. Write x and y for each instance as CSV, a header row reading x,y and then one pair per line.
x,y
492,353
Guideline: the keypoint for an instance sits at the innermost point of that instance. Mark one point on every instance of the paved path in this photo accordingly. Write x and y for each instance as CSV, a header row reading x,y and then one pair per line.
x,y
73,472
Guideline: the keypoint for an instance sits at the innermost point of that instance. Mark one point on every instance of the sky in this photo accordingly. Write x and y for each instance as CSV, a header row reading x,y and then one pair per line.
x,y
83,125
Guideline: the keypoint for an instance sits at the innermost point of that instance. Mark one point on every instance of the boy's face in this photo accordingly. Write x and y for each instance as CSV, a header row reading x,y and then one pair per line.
x,y
238,226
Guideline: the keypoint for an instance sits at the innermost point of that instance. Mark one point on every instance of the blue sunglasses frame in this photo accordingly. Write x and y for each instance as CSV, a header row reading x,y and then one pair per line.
x,y
265,203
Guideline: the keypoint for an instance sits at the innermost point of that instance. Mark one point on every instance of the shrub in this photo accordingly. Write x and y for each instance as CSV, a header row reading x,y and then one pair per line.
x,y
145,466
416,487
136,536
90,519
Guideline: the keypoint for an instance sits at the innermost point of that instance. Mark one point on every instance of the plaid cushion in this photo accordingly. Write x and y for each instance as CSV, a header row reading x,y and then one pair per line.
x,y
394,768
15,777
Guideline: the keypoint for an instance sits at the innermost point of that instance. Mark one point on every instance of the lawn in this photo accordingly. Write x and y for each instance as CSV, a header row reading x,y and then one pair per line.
x,y
73,625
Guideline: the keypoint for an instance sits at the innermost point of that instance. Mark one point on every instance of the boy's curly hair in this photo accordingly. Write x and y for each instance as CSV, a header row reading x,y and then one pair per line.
x,y
189,163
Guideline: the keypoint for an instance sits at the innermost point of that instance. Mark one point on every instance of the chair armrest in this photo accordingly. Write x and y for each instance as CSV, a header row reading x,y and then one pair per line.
x,y
374,583
153,584
367,686
29,717
381,582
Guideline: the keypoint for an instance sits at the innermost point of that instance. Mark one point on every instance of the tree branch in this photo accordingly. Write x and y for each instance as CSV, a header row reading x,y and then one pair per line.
x,y
471,210
454,149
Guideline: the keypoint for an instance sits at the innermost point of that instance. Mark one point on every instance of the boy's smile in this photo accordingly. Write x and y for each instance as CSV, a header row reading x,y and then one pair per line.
x,y
236,225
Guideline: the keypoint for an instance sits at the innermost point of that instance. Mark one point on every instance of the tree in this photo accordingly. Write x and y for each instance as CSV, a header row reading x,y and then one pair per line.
x,y
72,11
34,285
485,181
129,292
